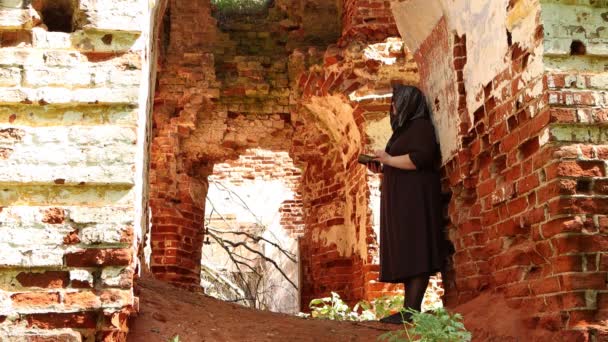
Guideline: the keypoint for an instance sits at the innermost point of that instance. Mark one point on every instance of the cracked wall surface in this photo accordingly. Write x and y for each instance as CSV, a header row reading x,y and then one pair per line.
x,y
527,102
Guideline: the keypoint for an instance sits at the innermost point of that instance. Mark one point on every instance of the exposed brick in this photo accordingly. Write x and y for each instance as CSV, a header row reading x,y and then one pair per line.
x,y
98,257
35,299
583,281
54,216
86,300
81,320
46,279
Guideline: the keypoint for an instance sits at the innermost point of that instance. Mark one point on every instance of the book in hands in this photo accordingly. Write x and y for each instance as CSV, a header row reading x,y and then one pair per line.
x,y
366,159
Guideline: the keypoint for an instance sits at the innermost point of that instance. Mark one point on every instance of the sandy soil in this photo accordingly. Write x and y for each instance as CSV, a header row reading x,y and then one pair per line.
x,y
166,311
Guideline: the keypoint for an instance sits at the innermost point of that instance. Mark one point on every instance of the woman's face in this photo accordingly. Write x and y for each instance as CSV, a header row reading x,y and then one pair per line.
x,y
393,112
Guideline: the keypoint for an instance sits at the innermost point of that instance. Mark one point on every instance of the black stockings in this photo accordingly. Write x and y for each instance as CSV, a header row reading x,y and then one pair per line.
x,y
414,291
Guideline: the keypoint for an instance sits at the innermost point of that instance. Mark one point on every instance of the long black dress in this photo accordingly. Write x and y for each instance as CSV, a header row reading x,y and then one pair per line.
x,y
411,221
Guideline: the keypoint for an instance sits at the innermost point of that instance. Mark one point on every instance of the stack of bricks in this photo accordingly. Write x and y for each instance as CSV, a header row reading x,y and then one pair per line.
x,y
69,93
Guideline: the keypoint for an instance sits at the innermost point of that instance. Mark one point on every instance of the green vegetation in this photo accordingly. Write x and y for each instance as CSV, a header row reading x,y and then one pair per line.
x,y
334,308
438,326
239,6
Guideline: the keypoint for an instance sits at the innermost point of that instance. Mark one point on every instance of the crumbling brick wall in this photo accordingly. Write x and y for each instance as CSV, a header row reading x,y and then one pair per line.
x,y
525,169
70,80
219,98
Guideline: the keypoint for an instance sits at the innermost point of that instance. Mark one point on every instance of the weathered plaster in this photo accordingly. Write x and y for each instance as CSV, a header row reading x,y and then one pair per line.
x,y
334,116
378,132
416,19
484,24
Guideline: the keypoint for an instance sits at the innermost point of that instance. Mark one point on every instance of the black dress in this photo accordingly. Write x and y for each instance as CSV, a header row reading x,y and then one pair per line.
x,y
411,221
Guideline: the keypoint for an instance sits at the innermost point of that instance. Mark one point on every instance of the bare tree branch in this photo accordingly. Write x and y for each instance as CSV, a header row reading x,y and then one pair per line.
x,y
249,289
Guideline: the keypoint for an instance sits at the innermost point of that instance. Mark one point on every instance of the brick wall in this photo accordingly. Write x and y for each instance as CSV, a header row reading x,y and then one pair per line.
x,y
367,20
69,97
526,212
217,100
339,248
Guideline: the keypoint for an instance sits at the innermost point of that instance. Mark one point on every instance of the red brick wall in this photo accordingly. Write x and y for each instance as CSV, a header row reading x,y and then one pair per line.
x,y
527,208
212,108
367,20
263,165
325,267
177,192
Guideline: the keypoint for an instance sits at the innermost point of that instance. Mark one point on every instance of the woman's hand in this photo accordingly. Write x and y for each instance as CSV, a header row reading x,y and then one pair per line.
x,y
403,162
382,157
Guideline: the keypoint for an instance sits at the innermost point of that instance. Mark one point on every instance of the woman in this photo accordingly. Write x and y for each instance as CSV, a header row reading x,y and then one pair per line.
x,y
411,221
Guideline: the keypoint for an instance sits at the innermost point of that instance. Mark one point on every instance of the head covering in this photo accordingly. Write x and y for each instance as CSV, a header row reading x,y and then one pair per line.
x,y
408,104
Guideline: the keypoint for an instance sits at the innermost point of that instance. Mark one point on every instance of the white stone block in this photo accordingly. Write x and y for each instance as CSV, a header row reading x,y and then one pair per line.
x,y
104,214
102,233
42,39
82,275
598,81
63,58
21,56
79,76
12,95
14,19
10,77
123,15
111,276
74,154
33,256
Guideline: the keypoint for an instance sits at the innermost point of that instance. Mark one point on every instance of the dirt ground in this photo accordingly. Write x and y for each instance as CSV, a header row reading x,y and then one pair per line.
x,y
166,311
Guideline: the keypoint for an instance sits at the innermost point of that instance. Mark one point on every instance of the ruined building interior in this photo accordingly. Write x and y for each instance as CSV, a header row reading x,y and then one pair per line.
x,y
137,134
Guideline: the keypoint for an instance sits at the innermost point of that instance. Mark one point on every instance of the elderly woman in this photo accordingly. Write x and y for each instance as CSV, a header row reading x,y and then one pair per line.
x,y
411,221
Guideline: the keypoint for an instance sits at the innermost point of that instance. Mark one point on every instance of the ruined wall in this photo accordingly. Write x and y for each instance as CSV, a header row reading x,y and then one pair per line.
x,y
217,96
343,110
575,58
520,111
262,81
70,85
177,195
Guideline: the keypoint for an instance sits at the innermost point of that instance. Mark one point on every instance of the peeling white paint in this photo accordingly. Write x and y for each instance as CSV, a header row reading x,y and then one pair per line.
x,y
416,19
340,235
522,24
483,23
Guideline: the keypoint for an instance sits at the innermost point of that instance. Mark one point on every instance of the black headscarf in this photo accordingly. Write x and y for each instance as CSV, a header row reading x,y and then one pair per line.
x,y
408,104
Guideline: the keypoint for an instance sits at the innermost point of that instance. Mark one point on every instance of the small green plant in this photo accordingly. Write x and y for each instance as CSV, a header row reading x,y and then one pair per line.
x,y
335,308
175,339
440,326
332,308
380,307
